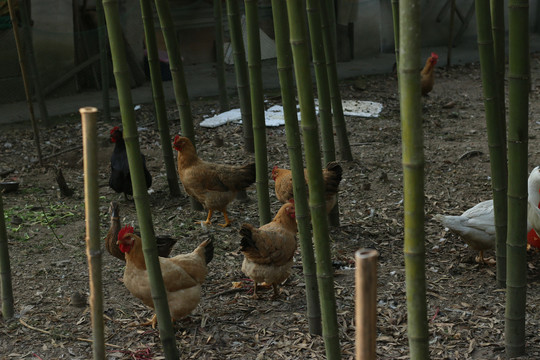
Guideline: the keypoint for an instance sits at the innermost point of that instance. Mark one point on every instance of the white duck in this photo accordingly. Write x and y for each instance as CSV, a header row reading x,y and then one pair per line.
x,y
533,212
477,225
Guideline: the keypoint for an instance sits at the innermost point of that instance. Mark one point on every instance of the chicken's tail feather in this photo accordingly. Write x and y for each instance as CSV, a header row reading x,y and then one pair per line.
x,y
247,239
333,176
209,251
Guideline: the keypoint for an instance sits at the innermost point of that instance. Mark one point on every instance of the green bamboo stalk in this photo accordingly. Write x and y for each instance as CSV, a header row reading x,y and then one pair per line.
x,y
413,177
395,18
257,110
294,147
240,67
104,61
498,31
300,51
31,61
495,131
326,102
499,35
177,69
220,57
159,97
321,75
518,111
15,25
93,240
5,268
178,77
337,107
140,195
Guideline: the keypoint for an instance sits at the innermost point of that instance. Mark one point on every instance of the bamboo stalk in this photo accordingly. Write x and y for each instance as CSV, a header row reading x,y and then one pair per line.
x,y
518,113
159,97
321,75
178,77
326,103
25,78
241,71
294,147
319,221
337,107
177,69
451,33
395,19
93,239
104,61
413,177
31,61
499,34
366,303
140,195
496,131
5,268
257,110
220,57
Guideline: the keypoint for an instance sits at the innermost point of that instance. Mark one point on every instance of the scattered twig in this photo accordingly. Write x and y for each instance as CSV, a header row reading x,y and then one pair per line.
x,y
48,222
60,335
62,152
226,292
62,185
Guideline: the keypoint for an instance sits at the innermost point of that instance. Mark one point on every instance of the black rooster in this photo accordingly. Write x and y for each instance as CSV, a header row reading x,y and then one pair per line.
x,y
120,179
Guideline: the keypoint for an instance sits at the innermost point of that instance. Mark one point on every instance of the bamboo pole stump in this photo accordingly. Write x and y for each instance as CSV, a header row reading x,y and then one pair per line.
x,y
366,303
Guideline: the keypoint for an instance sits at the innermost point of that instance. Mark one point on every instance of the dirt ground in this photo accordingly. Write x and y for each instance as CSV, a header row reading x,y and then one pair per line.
x,y
465,308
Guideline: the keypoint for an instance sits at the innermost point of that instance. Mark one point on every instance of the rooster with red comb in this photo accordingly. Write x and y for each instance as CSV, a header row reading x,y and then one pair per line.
x,y
427,78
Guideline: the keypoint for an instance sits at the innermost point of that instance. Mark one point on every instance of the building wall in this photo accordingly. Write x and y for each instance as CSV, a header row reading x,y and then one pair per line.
x,y
364,29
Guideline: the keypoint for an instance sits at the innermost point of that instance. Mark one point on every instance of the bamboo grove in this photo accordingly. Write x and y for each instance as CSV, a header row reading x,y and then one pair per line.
x,y
305,37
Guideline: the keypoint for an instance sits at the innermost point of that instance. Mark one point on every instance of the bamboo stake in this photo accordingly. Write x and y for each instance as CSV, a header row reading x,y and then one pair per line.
x,y
140,195
413,177
496,131
257,110
5,268
241,71
294,147
25,78
366,304
93,239
159,97
319,221
518,133
104,61
220,57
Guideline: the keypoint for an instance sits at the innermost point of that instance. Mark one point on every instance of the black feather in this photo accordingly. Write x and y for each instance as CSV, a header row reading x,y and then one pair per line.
x,y
120,179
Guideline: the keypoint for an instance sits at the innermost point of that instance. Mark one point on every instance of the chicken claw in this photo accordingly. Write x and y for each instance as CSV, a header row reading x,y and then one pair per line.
x,y
152,321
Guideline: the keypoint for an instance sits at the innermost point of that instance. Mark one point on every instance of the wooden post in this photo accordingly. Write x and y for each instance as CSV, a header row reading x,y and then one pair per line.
x,y
366,303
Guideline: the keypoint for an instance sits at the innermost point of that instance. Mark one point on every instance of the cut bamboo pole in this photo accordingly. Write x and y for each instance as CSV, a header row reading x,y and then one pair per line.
x,y
93,240
25,78
366,303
